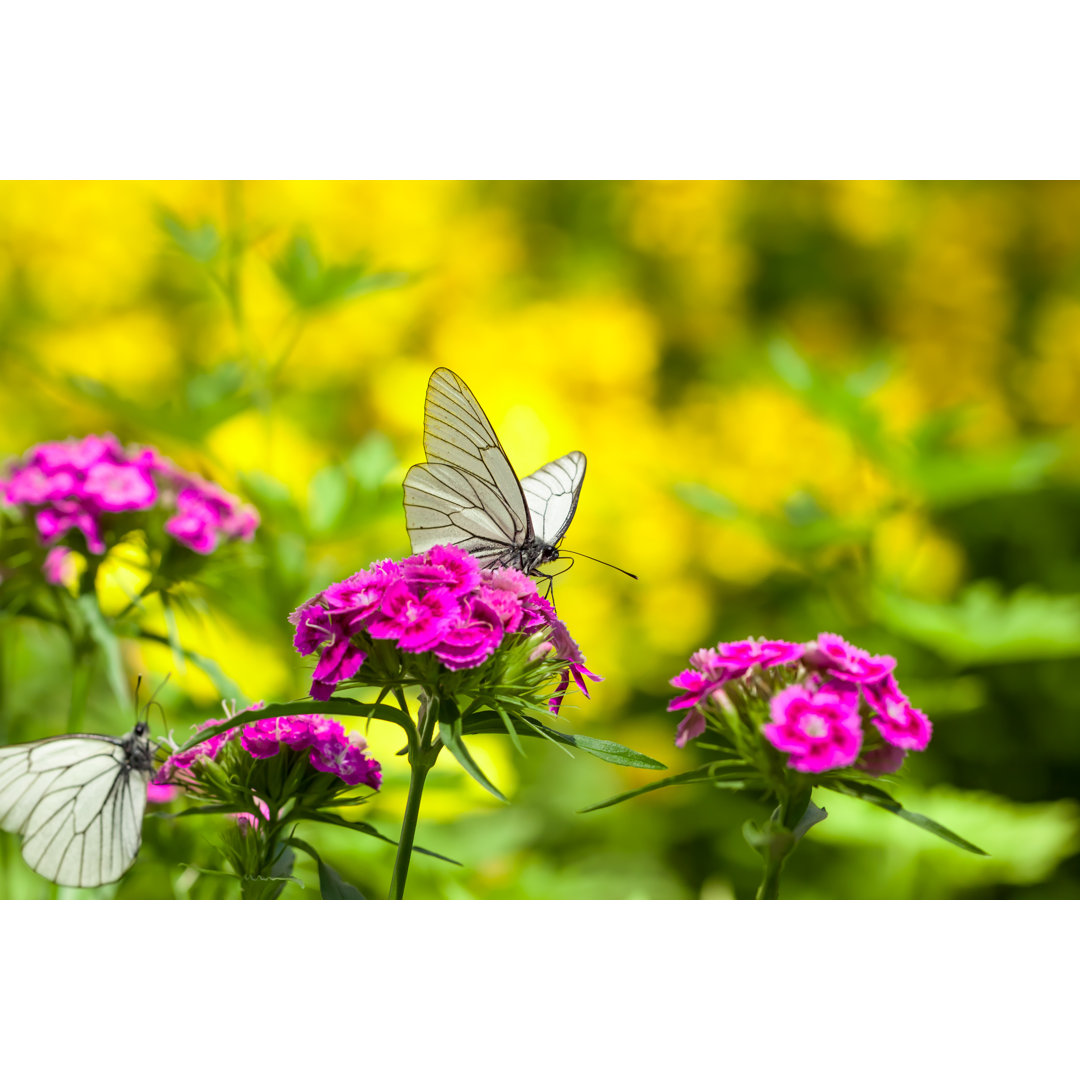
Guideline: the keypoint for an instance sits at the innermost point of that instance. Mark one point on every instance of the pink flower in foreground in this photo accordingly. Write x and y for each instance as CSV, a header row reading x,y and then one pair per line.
x,y
900,723
415,622
819,728
329,748
832,655
883,760
470,636
445,566
690,727
345,758
738,657
339,660
439,603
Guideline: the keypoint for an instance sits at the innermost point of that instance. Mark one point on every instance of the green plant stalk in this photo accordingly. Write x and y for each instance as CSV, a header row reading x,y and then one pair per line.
x,y
789,813
422,756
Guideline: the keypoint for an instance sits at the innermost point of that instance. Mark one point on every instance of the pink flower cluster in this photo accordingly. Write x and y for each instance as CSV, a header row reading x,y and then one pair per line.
x,y
79,483
818,719
439,602
331,749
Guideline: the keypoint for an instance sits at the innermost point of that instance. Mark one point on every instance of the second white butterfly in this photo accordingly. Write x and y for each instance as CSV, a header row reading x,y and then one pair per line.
x,y
467,493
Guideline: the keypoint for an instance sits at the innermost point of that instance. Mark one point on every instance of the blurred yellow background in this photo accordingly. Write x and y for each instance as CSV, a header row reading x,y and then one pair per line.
x,y
843,406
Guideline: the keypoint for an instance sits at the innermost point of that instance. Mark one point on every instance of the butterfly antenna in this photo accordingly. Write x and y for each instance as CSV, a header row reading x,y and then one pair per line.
x,y
153,697
593,558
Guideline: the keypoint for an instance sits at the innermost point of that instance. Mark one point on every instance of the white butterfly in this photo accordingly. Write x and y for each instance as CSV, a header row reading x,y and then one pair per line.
x,y
468,494
77,801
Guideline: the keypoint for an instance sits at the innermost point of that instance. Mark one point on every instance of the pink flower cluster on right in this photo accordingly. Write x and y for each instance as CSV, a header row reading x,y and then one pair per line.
x,y
439,602
818,719
81,484
331,749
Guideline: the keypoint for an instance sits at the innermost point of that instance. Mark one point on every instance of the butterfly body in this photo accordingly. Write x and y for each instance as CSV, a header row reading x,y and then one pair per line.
x,y
467,493
77,802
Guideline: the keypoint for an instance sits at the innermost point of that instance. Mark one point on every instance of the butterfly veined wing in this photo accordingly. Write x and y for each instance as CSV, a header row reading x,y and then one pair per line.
x,y
457,432
446,505
468,494
551,494
77,802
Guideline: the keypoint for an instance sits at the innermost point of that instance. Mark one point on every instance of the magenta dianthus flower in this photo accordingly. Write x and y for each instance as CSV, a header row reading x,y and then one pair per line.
x,y
900,723
83,485
417,622
819,728
329,748
832,655
821,698
445,566
119,487
439,604
738,657
471,636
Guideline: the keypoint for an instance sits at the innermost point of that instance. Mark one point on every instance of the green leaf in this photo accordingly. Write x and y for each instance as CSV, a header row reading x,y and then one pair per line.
x,y
812,815
953,479
328,494
456,746
695,776
200,242
331,885
371,461
614,752
485,723
985,627
313,284
877,797
511,730
107,641
271,886
370,830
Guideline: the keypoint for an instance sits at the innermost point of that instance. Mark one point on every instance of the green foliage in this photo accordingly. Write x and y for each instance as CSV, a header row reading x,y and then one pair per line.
x,y
314,284
985,627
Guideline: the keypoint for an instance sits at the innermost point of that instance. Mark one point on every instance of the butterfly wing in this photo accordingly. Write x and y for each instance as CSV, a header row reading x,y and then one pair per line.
x,y
467,493
446,505
457,432
552,495
77,801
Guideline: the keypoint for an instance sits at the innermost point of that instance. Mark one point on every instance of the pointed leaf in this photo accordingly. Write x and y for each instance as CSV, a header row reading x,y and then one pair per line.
x,y
334,887
617,754
869,793
457,747
694,776
369,830
107,641
331,885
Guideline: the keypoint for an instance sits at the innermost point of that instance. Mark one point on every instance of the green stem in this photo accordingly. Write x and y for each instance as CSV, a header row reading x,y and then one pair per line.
x,y
421,760
769,889
782,841
408,830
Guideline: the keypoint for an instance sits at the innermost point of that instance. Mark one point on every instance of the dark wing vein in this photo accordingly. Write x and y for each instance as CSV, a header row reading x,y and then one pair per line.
x,y
75,805
552,494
